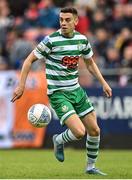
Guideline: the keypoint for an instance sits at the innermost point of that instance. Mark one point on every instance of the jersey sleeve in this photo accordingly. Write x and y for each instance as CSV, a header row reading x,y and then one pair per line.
x,y
43,48
87,51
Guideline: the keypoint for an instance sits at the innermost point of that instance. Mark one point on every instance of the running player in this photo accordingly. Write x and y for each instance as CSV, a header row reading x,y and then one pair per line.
x,y
62,51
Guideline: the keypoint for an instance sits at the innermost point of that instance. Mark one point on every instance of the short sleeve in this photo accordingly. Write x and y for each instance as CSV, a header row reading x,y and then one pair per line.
x,y
43,48
87,51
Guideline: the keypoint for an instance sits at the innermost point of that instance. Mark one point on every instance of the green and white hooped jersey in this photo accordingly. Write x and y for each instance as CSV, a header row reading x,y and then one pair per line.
x,y
61,56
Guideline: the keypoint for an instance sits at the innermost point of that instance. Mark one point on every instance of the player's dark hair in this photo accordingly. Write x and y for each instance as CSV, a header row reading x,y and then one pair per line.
x,y
69,10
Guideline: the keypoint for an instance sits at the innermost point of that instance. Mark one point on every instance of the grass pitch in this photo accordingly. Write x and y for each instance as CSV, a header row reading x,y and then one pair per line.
x,y
41,164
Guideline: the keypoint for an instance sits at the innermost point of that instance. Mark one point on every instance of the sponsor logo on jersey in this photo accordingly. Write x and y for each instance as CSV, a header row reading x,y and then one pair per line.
x,y
70,61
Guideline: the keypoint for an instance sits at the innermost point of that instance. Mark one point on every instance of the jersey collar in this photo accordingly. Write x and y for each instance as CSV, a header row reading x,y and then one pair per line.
x,y
65,36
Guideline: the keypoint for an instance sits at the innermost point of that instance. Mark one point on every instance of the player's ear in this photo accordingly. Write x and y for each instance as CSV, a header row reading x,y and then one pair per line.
x,y
76,20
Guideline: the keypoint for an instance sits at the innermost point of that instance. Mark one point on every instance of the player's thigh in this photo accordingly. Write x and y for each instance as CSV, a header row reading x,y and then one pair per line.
x,y
83,104
62,106
90,123
67,114
74,123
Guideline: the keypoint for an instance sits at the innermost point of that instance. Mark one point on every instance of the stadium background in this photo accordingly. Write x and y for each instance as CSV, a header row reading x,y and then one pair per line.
x,y
108,26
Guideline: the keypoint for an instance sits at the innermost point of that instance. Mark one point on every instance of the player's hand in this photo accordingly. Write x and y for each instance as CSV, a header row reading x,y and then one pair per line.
x,y
107,90
17,93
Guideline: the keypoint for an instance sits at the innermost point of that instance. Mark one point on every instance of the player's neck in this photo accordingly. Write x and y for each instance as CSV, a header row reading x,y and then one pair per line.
x,y
68,35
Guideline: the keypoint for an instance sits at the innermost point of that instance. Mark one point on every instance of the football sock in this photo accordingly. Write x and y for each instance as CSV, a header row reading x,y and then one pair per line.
x,y
92,145
66,136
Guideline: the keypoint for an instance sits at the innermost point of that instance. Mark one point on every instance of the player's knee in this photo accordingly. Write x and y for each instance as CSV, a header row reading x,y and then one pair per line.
x,y
80,133
95,131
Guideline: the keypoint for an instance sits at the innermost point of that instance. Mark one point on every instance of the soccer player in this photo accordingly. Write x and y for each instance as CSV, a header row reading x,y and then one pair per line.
x,y
62,51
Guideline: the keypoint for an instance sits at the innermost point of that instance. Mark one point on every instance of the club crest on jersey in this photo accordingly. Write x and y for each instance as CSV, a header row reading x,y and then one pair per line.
x,y
64,108
80,46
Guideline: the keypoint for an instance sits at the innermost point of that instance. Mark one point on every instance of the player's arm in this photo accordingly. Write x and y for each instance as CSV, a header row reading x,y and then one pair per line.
x,y
94,70
23,76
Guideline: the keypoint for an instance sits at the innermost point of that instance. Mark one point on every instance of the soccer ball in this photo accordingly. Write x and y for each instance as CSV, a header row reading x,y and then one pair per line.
x,y
39,115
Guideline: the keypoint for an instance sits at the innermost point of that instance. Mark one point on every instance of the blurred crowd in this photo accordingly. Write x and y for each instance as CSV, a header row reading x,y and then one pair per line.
x,y
106,23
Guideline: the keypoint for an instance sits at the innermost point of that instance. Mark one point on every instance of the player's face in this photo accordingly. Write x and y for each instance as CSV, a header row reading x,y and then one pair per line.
x,y
68,21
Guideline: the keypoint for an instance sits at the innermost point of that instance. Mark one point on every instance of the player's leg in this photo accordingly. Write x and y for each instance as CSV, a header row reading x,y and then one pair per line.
x,y
75,131
92,142
85,110
61,103
93,138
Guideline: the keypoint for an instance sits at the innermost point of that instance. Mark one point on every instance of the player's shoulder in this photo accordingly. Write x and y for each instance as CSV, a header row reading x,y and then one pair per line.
x,y
49,38
81,35
54,34
46,39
